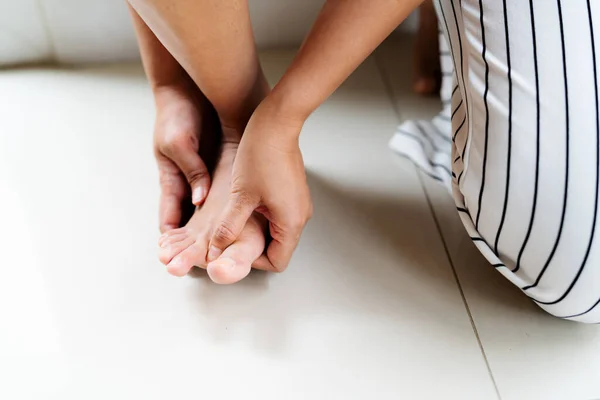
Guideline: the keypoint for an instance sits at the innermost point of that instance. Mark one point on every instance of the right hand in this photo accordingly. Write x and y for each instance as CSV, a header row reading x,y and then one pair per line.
x,y
176,143
269,177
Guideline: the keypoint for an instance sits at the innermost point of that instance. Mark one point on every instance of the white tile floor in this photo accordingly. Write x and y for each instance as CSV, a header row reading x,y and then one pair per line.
x,y
373,305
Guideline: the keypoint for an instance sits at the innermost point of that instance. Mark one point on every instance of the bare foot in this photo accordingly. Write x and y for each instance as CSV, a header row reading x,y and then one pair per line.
x,y
183,248
426,53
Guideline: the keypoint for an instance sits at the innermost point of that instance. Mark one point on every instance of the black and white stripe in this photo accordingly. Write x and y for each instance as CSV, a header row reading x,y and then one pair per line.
x,y
523,105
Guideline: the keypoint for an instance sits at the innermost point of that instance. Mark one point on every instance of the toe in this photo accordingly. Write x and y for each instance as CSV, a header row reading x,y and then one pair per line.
x,y
166,252
236,261
193,255
173,239
171,234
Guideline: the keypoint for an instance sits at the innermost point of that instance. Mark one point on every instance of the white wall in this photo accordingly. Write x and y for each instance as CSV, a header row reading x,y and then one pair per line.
x,y
23,37
100,30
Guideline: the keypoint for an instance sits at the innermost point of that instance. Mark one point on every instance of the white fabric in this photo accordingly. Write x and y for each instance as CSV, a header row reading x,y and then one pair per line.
x,y
525,143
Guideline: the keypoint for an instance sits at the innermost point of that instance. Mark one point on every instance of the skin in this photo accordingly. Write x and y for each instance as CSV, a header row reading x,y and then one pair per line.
x,y
180,249
268,174
428,77
181,109
196,105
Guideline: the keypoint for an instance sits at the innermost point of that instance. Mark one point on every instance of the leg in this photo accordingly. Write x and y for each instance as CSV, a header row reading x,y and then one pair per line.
x,y
529,151
213,41
426,52
221,59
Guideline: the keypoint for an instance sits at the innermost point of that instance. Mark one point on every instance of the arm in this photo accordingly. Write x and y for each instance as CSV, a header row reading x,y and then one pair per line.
x,y
343,36
268,174
160,66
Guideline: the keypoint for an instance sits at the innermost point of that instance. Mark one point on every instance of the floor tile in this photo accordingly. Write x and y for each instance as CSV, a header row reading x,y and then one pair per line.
x,y
369,307
531,354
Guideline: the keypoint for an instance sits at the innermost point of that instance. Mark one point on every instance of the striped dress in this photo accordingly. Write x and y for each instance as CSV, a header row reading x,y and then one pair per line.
x,y
518,142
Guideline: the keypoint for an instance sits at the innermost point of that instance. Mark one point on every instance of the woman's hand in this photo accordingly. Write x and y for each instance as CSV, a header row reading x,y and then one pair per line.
x,y
268,176
268,171
177,131
181,110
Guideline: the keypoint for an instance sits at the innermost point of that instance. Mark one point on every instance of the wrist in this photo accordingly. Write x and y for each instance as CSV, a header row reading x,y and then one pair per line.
x,y
282,107
177,89
272,123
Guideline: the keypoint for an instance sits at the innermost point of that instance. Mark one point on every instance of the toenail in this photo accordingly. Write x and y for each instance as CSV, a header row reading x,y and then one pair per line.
x,y
213,253
175,262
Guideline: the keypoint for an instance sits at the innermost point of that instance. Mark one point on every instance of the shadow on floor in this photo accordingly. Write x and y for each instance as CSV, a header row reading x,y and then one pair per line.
x,y
363,254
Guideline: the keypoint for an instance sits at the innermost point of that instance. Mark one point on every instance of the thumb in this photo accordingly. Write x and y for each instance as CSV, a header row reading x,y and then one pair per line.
x,y
195,171
233,220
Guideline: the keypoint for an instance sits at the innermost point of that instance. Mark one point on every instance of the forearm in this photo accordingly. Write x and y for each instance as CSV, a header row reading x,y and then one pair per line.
x,y
344,34
160,66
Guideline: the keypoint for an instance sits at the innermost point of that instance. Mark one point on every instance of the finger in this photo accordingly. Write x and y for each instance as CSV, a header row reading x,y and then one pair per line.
x,y
197,175
169,211
234,218
172,192
193,168
264,264
236,261
282,246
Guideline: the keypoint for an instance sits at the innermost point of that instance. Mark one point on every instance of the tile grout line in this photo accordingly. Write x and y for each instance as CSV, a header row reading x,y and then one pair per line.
x,y
460,289
390,93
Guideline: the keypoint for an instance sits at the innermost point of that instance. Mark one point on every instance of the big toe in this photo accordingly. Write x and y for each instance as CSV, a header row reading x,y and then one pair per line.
x,y
236,261
225,271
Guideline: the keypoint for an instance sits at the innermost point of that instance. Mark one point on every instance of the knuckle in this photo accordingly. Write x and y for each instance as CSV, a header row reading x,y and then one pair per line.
x,y
242,199
175,143
224,233
197,175
296,225
170,184
297,222
166,177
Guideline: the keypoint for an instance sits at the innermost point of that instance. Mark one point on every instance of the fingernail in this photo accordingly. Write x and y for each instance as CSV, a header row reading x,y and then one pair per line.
x,y
213,253
198,195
